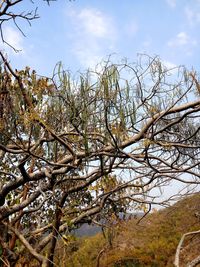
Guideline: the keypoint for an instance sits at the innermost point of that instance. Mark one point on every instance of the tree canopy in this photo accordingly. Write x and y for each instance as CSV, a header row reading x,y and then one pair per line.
x,y
76,150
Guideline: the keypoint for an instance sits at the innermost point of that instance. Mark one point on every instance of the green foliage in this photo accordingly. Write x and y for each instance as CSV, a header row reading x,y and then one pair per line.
x,y
82,252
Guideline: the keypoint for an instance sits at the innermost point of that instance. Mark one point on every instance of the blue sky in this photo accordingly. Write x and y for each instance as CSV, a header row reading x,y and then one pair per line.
x,y
83,32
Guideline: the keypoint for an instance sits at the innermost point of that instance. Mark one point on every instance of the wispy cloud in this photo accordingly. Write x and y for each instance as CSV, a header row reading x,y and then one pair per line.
x,y
14,38
171,3
192,13
184,43
147,43
93,22
170,66
131,28
93,36
182,39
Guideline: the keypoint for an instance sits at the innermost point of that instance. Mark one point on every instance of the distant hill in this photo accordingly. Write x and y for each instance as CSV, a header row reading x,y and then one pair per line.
x,y
92,229
87,230
150,243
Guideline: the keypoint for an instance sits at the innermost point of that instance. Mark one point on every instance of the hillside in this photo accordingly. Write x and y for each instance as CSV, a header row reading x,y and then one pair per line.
x,y
152,242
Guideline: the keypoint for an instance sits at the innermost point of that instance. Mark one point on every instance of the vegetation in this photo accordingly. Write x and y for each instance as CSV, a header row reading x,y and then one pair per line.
x,y
76,151
151,242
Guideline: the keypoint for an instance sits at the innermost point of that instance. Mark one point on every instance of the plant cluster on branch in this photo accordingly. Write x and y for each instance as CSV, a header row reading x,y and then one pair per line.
x,y
75,151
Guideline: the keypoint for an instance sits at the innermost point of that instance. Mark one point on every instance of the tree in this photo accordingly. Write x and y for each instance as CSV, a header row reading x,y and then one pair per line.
x,y
76,151
195,261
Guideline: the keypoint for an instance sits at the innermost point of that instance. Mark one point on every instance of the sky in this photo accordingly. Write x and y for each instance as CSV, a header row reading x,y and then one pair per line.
x,y
82,33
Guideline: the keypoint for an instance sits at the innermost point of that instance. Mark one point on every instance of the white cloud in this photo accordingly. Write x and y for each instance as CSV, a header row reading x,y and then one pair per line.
x,y
93,22
88,57
13,37
168,64
182,39
192,14
185,43
171,3
93,33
